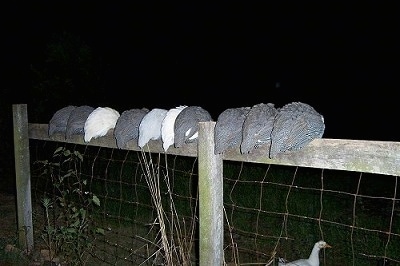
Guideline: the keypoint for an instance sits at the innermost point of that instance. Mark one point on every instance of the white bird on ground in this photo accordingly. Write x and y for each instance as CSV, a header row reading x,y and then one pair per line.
x,y
313,259
76,120
59,120
150,126
127,127
167,126
99,122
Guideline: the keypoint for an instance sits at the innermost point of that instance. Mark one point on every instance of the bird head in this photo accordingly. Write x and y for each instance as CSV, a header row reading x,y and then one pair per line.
x,y
322,244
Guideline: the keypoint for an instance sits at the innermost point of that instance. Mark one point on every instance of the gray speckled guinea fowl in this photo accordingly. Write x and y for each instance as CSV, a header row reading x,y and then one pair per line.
x,y
295,125
186,126
59,120
228,129
257,127
77,119
127,127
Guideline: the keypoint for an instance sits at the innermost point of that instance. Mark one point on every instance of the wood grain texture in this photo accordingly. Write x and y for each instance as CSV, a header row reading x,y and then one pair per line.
x,y
379,157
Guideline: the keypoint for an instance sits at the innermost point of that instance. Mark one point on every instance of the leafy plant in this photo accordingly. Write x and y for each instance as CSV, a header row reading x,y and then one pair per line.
x,y
72,232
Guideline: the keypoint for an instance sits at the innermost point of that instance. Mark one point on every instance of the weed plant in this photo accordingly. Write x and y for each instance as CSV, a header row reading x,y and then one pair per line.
x,y
71,234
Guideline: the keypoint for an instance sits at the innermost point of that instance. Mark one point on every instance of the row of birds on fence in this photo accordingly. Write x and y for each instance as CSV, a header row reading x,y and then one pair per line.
x,y
288,128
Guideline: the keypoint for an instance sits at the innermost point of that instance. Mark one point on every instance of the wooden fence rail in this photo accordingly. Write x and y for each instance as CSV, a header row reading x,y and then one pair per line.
x,y
378,157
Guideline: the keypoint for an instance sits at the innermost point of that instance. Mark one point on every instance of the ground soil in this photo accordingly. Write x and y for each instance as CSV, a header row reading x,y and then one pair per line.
x,y
8,216
9,253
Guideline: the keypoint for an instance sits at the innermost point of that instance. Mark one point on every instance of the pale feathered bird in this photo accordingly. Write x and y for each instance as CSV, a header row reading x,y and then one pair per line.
x,y
59,120
295,125
257,127
313,259
99,122
228,129
187,124
167,126
150,126
77,119
127,127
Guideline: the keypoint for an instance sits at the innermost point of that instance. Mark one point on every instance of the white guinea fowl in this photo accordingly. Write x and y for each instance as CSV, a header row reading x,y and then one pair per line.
x,y
167,126
150,126
313,259
99,122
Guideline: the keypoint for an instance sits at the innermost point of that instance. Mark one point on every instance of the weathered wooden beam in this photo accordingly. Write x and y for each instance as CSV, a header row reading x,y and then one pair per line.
x,y
40,132
379,157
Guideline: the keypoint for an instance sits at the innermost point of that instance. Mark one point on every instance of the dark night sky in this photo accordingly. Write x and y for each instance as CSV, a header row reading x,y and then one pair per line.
x,y
342,59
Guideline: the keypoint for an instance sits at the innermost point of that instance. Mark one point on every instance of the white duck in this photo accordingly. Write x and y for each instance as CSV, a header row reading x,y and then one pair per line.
x,y
313,260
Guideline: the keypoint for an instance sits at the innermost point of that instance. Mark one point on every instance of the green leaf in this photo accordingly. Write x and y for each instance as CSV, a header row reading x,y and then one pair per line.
x,y
96,200
59,149
79,155
67,153
71,230
100,231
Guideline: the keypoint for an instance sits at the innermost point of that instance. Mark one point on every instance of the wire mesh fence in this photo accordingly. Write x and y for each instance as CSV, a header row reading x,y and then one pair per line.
x,y
270,211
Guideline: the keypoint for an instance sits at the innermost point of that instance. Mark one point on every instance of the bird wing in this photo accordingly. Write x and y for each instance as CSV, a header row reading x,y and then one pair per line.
x,y
59,120
99,122
257,126
150,126
186,124
167,126
228,129
77,119
127,126
295,125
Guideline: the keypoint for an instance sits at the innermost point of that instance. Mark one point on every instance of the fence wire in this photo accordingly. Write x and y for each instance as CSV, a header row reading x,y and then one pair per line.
x,y
270,211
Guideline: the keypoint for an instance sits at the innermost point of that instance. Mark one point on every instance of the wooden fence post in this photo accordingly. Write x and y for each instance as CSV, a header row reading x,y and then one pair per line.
x,y
23,176
211,211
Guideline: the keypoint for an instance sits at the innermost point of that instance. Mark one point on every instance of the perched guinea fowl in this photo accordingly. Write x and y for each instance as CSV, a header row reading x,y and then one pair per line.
x,y
59,120
228,129
313,259
127,127
150,126
187,124
167,126
99,122
295,125
77,119
257,126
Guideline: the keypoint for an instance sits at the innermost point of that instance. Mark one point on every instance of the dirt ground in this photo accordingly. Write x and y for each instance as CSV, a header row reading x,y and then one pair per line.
x,y
8,232
8,216
9,253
